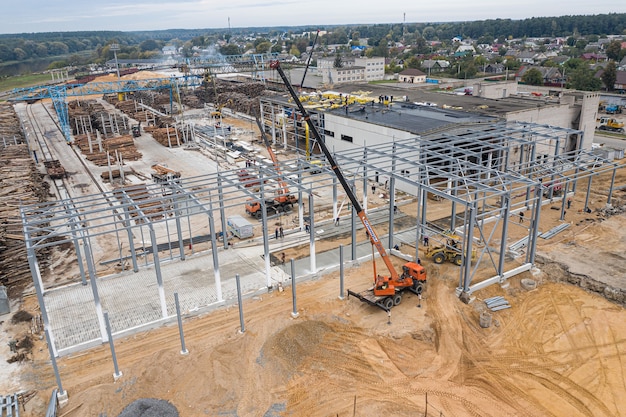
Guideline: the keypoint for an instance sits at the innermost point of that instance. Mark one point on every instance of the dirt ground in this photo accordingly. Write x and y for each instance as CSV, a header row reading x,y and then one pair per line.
x,y
558,351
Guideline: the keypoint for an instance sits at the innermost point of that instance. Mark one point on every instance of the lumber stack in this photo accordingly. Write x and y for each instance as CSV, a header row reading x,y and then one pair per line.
x,y
10,130
123,145
167,136
20,183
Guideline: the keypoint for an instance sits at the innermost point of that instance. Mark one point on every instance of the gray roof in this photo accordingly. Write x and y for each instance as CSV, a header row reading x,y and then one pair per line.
x,y
410,117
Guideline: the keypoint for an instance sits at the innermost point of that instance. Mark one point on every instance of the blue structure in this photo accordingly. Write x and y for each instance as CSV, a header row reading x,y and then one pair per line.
x,y
59,93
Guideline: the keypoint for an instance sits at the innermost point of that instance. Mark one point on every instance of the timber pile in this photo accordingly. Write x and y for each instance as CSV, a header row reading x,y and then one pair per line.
x,y
241,97
145,202
192,101
20,183
55,169
115,173
10,130
168,136
130,108
124,145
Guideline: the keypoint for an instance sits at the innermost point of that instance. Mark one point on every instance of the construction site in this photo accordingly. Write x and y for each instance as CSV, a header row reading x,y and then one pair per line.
x,y
192,245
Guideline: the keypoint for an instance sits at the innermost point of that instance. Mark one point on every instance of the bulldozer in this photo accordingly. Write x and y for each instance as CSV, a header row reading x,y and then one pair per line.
x,y
450,251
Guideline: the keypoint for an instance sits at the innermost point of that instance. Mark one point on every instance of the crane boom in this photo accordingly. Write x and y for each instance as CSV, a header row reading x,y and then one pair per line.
x,y
331,160
270,151
308,62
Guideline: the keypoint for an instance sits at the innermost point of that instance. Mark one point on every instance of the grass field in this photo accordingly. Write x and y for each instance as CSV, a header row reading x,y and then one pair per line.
x,y
23,81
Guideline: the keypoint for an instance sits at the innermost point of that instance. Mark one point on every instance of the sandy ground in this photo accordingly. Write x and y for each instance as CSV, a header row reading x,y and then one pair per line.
x,y
558,351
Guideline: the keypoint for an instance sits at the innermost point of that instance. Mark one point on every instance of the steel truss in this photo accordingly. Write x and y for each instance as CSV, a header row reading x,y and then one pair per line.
x,y
59,93
482,175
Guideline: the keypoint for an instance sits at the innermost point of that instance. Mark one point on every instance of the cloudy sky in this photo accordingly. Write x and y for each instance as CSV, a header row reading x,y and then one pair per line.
x,y
74,15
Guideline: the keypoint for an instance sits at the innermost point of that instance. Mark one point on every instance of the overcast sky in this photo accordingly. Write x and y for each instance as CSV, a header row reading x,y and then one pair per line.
x,y
129,15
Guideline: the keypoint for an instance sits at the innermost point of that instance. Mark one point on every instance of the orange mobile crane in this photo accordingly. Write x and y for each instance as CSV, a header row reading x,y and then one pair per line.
x,y
387,290
283,201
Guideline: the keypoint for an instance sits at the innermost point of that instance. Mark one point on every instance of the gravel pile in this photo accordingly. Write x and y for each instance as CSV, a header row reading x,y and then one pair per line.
x,y
149,407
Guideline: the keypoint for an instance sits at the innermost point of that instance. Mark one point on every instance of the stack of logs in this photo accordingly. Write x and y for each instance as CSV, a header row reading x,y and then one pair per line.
x,y
10,131
103,154
20,184
136,112
168,136
90,115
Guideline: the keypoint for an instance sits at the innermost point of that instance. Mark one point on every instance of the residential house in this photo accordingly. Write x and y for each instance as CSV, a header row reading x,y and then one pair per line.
x,y
591,56
466,49
531,57
169,50
550,75
412,76
620,81
432,66
495,68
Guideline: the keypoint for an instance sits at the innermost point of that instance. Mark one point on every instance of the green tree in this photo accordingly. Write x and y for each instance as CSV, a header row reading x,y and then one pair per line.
x,y
533,77
480,62
412,62
149,45
513,64
19,54
581,44
338,62
277,47
613,50
57,48
263,47
294,50
609,76
230,49
429,33
583,79
302,44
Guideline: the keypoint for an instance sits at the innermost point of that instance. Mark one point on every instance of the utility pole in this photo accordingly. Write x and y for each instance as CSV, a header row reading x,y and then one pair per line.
x,y
116,47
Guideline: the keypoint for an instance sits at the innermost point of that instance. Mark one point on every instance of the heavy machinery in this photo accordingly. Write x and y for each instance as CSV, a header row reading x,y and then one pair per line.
x,y
217,113
447,252
136,129
386,291
283,200
613,109
611,125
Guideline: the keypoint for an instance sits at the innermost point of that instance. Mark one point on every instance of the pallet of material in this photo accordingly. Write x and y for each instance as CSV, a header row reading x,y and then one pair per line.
x,y
54,169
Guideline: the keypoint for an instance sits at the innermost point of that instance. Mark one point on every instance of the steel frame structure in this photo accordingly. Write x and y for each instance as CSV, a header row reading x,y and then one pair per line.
x,y
474,170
